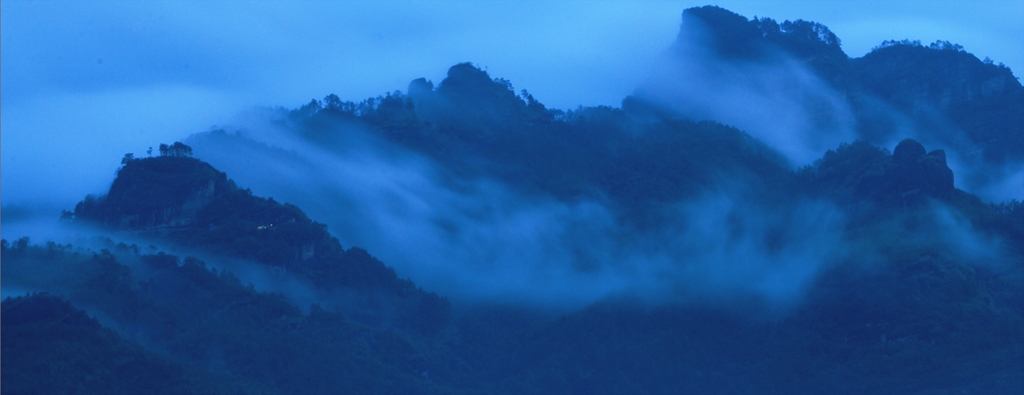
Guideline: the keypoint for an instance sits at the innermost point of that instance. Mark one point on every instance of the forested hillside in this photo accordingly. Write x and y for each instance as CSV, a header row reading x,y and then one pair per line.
x,y
495,245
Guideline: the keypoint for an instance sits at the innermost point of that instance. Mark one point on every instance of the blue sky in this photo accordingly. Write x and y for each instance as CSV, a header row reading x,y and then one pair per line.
x,y
85,82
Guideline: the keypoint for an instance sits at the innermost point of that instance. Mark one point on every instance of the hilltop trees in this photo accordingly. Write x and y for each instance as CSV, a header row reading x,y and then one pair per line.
x,y
176,149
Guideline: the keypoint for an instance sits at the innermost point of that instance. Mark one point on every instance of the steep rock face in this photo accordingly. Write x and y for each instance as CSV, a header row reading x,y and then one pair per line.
x,y
194,204
726,33
918,172
972,107
732,37
153,193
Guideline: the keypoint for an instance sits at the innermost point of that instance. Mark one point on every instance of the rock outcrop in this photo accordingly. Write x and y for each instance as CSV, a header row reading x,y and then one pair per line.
x,y
917,172
155,193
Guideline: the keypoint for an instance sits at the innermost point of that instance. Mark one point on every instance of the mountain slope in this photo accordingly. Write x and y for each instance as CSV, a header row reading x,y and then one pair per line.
x,y
185,328
698,257
189,203
51,347
790,85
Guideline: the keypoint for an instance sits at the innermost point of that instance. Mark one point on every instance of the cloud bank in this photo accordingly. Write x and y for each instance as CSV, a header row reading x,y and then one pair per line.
x,y
482,241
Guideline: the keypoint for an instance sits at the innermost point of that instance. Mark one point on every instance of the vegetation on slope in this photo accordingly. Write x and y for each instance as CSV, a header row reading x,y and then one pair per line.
x,y
928,297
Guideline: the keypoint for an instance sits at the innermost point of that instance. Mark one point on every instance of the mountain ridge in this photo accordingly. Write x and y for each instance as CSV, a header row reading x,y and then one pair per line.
x,y
707,262
939,94
191,204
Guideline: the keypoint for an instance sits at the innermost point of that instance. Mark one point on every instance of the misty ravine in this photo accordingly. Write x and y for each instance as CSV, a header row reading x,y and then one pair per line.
x,y
764,214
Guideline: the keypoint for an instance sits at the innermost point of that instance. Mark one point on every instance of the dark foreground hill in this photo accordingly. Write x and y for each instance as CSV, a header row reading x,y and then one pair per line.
x,y
181,327
922,316
52,347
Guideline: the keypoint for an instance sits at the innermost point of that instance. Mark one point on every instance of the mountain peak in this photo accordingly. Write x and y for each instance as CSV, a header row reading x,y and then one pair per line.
x,y
465,75
467,84
731,35
157,191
